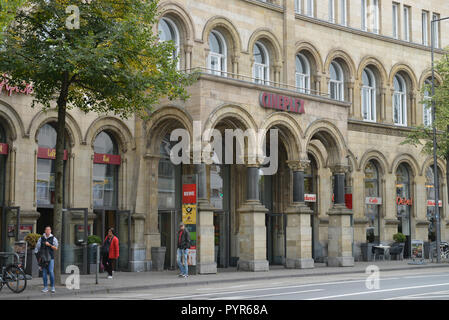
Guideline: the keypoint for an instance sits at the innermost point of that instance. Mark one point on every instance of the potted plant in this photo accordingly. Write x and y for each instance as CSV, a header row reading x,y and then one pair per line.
x,y
399,240
367,248
92,242
32,267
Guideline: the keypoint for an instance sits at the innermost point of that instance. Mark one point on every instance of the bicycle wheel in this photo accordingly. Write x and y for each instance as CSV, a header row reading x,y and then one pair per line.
x,y
15,278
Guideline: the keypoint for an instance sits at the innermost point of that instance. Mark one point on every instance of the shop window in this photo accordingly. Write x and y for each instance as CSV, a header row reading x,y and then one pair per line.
x,y
105,171
45,183
166,176
372,206
404,203
430,194
2,165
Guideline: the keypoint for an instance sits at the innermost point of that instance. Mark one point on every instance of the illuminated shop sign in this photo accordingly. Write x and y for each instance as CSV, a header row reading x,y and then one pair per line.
x,y
46,153
103,158
431,203
3,148
5,87
404,202
373,200
309,197
279,102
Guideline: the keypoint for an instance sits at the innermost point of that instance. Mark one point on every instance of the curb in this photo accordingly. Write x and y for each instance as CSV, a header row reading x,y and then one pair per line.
x,y
207,282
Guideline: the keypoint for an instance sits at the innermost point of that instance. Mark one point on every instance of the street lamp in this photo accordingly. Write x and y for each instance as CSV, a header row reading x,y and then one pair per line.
x,y
435,167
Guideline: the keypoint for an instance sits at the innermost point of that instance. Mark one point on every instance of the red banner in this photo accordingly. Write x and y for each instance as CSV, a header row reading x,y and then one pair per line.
x,y
348,200
46,153
189,193
103,158
3,148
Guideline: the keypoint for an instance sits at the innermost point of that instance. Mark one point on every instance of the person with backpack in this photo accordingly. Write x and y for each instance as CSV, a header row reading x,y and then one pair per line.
x,y
183,249
45,248
110,252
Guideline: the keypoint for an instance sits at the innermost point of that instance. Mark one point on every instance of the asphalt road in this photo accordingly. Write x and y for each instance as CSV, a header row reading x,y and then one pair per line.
x,y
392,285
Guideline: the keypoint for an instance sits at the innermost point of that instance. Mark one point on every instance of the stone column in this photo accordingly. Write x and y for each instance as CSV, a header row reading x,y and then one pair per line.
x,y
204,227
389,119
389,200
420,203
383,101
138,251
299,229
188,56
340,229
413,119
252,230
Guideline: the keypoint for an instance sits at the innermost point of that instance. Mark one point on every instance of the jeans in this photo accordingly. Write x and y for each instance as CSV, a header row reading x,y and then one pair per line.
x,y
50,269
108,264
183,253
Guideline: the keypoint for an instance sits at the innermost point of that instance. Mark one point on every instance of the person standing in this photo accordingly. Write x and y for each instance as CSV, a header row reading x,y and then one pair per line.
x,y
183,249
46,246
110,252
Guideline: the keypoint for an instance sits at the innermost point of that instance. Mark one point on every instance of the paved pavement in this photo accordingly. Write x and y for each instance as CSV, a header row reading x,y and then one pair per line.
x,y
127,281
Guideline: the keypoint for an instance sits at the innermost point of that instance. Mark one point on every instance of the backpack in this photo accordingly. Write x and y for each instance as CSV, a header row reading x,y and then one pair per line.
x,y
44,256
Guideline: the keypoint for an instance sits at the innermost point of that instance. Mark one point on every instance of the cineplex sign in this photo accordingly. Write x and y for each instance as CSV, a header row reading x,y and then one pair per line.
x,y
279,102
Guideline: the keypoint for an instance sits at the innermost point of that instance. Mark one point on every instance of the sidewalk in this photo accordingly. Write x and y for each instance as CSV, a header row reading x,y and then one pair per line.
x,y
128,281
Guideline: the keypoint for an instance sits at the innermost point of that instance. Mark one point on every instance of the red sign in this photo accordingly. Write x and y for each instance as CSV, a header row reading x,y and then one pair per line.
x,y
431,203
348,200
404,201
46,153
3,148
107,158
373,200
309,197
189,193
10,89
279,102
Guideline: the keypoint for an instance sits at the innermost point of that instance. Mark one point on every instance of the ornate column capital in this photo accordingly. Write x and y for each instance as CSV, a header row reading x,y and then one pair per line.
x,y
298,165
339,169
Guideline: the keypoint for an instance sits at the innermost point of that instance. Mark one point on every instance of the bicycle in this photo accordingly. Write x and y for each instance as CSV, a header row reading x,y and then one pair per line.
x,y
13,276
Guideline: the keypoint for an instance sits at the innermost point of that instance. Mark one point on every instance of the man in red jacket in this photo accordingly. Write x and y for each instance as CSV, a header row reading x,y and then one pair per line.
x,y
110,252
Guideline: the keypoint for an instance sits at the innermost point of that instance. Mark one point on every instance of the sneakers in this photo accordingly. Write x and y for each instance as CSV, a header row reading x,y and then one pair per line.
x,y
109,277
185,275
53,290
180,275
45,290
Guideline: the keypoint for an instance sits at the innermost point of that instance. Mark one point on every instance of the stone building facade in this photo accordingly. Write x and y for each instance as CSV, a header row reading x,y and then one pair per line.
x,y
344,179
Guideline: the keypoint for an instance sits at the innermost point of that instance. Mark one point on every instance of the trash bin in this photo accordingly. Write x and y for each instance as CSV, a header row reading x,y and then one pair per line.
x,y
158,258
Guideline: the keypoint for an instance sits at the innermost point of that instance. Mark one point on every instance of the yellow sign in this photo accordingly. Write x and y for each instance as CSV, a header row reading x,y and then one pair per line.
x,y
189,213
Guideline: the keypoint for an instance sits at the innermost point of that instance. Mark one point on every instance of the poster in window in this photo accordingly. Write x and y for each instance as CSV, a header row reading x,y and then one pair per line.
x,y
98,192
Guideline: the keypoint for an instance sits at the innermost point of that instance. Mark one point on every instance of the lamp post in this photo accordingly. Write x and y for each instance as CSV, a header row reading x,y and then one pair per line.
x,y
435,167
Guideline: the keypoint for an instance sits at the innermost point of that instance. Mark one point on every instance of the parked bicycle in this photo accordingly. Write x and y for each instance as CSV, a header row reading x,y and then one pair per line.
x,y
13,275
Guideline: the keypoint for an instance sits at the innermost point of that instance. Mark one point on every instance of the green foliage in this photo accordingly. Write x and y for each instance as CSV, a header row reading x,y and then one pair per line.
x,y
423,136
93,239
113,63
32,239
7,12
399,237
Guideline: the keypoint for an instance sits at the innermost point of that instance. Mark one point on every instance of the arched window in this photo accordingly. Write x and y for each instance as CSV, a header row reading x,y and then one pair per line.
x,y
302,73
105,171
217,56
368,95
404,203
427,106
169,32
45,184
372,192
3,152
430,192
336,83
166,176
261,70
400,101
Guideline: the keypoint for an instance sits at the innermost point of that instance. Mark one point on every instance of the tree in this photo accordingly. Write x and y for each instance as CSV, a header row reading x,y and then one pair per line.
x,y
111,61
7,12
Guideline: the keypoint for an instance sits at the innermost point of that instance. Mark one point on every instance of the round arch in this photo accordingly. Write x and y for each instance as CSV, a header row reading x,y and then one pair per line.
x,y
12,122
232,36
376,155
163,120
429,161
114,126
407,158
330,137
43,117
318,152
313,53
182,17
274,47
378,67
348,63
426,74
408,71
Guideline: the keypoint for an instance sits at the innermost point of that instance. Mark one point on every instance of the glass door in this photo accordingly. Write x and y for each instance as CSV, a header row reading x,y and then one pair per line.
x,y
123,230
168,222
75,230
221,228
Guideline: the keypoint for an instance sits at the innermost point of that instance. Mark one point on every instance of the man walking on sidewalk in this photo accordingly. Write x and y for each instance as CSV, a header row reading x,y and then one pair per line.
x,y
45,247
183,249
110,252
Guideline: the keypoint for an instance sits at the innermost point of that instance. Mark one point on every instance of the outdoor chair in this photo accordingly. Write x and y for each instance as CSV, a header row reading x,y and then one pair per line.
x,y
378,252
397,251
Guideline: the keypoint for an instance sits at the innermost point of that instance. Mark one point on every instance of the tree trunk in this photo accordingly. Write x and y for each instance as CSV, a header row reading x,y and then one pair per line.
x,y
59,170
